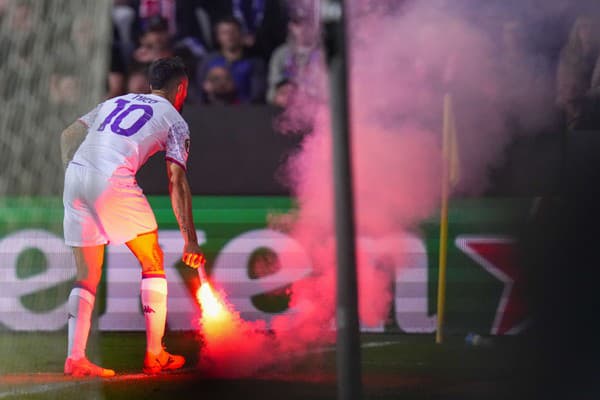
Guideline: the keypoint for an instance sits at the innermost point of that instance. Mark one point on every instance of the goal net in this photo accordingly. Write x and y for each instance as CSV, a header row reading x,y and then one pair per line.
x,y
53,66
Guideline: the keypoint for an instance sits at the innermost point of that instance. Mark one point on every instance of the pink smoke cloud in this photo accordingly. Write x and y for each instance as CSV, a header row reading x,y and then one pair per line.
x,y
402,65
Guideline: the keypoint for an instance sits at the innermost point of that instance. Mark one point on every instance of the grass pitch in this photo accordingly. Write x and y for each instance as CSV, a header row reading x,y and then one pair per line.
x,y
394,367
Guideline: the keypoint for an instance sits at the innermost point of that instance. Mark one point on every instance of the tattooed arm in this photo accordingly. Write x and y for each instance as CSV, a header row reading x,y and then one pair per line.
x,y
181,200
72,137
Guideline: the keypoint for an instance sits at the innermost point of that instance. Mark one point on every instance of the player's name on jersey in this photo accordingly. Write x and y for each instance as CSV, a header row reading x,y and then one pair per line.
x,y
145,99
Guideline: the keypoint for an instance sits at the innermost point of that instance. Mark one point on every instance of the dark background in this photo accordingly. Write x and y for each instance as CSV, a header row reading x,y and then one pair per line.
x,y
238,151
234,151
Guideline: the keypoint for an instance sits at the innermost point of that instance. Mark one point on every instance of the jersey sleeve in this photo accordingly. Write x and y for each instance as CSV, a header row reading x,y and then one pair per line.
x,y
178,144
89,118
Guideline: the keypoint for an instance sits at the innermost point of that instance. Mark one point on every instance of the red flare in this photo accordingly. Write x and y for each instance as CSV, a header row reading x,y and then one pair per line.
x,y
212,306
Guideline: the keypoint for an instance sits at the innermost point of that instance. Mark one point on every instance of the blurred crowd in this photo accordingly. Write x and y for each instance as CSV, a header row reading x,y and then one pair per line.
x,y
578,77
258,51
236,51
253,51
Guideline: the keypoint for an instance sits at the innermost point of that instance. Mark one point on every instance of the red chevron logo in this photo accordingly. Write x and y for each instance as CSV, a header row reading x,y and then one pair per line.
x,y
497,255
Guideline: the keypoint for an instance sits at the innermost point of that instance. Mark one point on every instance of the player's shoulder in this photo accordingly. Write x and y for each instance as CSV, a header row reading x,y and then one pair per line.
x,y
173,117
179,127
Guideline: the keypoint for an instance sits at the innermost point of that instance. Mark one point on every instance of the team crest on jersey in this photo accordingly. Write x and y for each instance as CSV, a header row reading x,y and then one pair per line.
x,y
187,145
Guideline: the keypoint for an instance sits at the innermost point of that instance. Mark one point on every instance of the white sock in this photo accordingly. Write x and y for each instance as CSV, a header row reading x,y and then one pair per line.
x,y
154,303
80,306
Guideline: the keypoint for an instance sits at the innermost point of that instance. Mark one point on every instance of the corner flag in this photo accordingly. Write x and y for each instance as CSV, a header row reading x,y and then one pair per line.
x,y
450,177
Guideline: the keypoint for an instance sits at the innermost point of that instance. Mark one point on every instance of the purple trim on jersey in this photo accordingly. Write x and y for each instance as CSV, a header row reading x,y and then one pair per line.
x,y
176,162
151,275
81,285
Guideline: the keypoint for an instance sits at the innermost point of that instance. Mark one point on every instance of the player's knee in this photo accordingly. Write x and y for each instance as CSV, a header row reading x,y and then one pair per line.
x,y
153,261
90,279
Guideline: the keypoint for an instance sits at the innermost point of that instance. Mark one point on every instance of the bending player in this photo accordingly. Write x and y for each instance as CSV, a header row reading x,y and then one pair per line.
x,y
103,204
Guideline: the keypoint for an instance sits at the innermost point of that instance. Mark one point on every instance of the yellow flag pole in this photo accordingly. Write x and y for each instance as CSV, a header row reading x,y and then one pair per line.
x,y
443,254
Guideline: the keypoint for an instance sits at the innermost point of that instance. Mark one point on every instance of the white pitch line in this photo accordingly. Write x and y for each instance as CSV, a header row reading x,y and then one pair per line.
x,y
362,346
42,388
47,387
378,344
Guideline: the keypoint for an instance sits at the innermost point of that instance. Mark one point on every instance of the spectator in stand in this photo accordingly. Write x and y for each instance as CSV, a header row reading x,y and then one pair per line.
x,y
298,58
194,29
137,81
66,82
126,26
64,88
155,43
263,22
17,47
219,87
149,10
284,90
117,69
248,73
575,70
3,7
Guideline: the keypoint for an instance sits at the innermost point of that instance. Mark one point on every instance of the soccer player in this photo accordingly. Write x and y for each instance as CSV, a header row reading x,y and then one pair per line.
x,y
103,204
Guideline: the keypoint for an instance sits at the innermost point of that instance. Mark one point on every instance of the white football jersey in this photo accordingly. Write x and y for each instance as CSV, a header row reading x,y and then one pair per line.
x,y
123,132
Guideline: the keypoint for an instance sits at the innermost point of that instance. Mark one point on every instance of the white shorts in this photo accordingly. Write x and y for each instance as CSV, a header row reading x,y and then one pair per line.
x,y
101,209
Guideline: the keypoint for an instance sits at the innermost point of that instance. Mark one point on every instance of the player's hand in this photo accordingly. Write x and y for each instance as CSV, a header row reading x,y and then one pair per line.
x,y
193,256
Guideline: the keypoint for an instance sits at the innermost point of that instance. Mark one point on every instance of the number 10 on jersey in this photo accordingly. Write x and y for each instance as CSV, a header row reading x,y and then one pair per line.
x,y
116,117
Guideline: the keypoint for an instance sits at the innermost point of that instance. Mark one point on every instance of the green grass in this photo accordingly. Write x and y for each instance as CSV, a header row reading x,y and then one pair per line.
x,y
411,368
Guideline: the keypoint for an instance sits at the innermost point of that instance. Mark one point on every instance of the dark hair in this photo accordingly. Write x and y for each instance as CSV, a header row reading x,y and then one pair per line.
x,y
157,24
164,71
230,20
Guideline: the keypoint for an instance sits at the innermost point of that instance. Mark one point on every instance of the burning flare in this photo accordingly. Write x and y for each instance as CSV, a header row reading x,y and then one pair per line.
x,y
232,347
212,306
